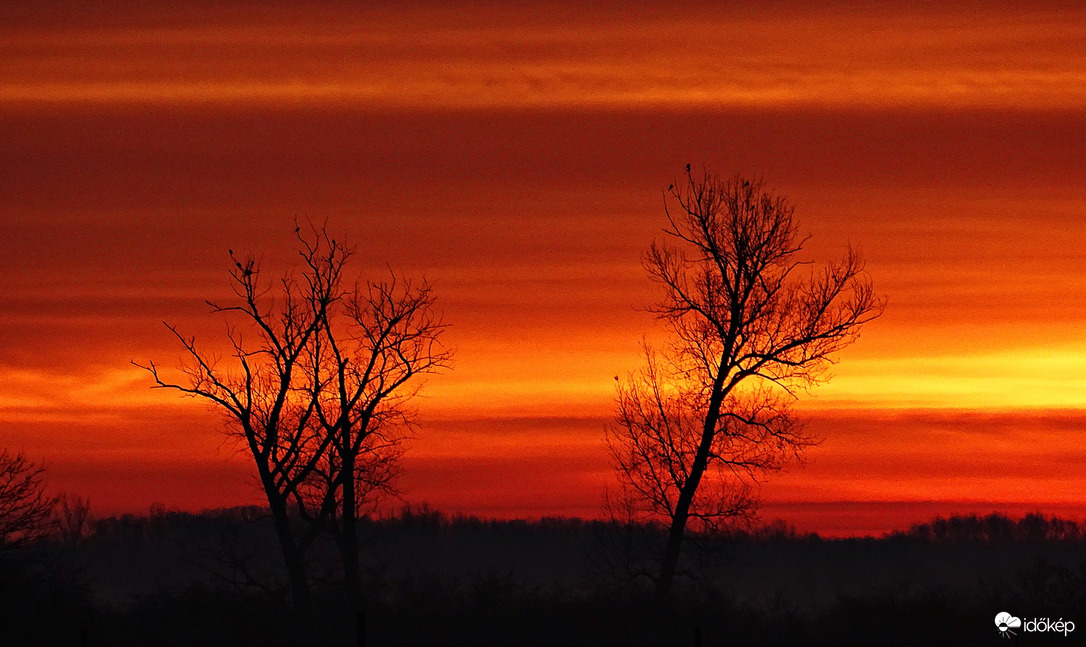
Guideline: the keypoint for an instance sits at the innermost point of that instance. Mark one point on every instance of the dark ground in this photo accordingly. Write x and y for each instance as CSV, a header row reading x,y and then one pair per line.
x,y
213,579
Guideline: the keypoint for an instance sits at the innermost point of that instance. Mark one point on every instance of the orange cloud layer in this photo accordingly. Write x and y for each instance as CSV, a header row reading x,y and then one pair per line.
x,y
550,56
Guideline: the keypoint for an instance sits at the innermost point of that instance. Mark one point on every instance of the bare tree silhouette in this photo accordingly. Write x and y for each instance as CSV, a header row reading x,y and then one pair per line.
x,y
263,392
710,415
25,508
322,396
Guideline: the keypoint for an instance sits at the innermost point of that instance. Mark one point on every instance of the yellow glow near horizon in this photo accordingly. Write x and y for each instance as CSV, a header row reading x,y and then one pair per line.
x,y
555,381
1018,378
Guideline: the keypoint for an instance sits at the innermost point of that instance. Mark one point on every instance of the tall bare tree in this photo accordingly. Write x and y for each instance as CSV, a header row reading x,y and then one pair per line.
x,y
263,390
750,329
25,507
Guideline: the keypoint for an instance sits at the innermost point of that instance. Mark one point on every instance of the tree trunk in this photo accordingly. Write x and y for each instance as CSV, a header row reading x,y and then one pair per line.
x,y
352,580
293,559
348,547
677,530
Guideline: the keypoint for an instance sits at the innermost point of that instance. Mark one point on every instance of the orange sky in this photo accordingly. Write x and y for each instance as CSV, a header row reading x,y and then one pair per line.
x,y
516,156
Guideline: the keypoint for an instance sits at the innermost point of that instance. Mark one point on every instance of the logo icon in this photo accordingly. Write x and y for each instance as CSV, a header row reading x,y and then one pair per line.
x,y
1005,622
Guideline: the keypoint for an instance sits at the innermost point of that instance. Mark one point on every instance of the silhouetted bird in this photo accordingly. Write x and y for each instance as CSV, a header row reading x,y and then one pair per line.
x,y
670,187
745,184
616,378
687,168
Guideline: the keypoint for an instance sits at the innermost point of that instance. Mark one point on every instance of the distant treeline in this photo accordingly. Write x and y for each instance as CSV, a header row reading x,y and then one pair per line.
x,y
997,529
216,578
992,528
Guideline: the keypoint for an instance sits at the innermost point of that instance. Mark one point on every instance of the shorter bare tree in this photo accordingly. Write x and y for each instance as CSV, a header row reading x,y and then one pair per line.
x,y
262,391
318,386
26,509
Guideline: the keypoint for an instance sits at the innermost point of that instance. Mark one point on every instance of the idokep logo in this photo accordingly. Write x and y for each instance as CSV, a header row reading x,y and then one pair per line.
x,y
1006,624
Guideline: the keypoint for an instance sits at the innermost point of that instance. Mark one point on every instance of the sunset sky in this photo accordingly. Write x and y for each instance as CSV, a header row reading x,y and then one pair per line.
x,y
515,156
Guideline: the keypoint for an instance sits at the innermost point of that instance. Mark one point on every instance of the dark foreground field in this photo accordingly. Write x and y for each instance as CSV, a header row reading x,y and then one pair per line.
x,y
213,579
